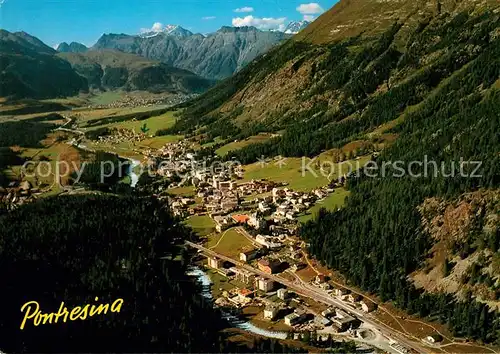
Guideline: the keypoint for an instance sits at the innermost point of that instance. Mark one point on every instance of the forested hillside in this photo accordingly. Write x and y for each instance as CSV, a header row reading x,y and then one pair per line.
x,y
111,70
430,80
29,68
74,249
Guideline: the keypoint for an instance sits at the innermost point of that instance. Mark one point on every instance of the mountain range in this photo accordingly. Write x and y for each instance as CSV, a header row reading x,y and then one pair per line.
x,y
73,47
29,68
215,56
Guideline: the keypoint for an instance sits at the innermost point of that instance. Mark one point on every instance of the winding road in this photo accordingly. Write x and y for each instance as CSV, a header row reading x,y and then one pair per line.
x,y
320,296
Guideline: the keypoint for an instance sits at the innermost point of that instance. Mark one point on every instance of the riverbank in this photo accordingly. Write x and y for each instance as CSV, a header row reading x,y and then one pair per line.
x,y
205,282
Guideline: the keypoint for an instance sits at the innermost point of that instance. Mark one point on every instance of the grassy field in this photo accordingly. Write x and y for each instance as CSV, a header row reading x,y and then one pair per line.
x,y
291,173
230,243
44,162
294,171
332,202
236,145
183,191
202,225
160,141
219,283
154,124
124,149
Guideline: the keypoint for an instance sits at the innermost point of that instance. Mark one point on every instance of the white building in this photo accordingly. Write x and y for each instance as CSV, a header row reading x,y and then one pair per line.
x,y
282,294
294,318
214,262
249,255
264,284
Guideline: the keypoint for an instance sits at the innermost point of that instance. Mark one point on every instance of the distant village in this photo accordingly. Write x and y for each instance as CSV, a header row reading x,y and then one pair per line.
x,y
138,101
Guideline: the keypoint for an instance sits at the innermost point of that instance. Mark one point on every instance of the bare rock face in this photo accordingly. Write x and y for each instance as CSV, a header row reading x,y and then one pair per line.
x,y
215,56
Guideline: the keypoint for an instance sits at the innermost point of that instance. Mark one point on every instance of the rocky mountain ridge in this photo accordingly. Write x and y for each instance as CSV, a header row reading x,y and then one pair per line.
x,y
31,69
215,56
73,47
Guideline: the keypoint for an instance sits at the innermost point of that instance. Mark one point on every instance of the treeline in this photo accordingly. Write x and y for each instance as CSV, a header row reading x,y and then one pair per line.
x,y
125,117
357,74
103,172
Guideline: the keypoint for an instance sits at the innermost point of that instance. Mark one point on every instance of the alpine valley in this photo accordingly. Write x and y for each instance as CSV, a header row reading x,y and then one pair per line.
x,y
330,187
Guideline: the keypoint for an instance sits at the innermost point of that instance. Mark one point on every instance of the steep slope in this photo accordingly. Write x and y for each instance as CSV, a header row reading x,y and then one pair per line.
x,y
109,69
216,56
73,47
352,17
29,68
431,81
465,257
349,73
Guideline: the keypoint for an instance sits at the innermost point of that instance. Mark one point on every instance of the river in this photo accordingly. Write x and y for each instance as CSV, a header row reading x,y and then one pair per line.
x,y
205,282
134,177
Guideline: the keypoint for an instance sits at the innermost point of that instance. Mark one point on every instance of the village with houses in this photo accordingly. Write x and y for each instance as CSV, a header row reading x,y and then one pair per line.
x,y
258,266
249,245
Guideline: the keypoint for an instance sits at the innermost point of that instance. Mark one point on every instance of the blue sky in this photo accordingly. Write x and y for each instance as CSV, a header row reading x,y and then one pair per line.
x,y
84,21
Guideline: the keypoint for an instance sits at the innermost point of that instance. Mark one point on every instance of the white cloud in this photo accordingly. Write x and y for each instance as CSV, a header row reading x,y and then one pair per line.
x,y
312,8
269,23
309,18
208,18
244,9
157,27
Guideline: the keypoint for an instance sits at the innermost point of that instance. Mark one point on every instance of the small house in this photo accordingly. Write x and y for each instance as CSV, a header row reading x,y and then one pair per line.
x,y
269,266
368,306
354,298
264,284
320,278
435,338
249,255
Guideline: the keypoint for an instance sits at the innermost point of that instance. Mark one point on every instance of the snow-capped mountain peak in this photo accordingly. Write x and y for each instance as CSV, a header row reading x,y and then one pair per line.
x,y
168,30
295,27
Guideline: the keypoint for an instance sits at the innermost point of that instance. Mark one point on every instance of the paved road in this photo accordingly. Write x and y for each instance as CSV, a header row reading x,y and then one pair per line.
x,y
318,295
